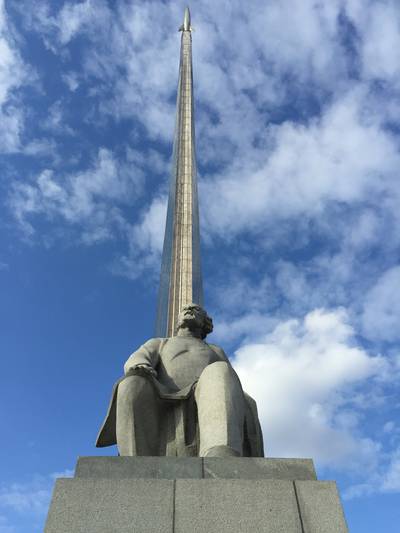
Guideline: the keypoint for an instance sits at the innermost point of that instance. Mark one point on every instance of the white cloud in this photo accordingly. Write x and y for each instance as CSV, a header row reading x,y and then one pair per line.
x,y
310,46
75,15
311,183
41,147
87,197
12,121
302,151
309,167
72,19
244,328
386,478
378,26
381,313
391,479
145,241
149,234
56,121
29,499
272,173
389,426
13,73
142,65
72,80
305,375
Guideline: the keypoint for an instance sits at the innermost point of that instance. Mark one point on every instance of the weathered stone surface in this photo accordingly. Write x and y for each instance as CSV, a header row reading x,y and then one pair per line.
x,y
240,506
240,495
181,397
108,506
194,468
320,507
259,468
139,467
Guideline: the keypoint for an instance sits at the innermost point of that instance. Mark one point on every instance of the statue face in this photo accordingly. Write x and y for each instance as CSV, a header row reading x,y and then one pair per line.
x,y
191,316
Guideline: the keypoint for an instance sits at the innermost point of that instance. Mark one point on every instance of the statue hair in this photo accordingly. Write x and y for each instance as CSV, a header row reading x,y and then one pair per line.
x,y
207,321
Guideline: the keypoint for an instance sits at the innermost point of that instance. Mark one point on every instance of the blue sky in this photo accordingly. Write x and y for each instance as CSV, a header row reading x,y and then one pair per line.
x,y
297,124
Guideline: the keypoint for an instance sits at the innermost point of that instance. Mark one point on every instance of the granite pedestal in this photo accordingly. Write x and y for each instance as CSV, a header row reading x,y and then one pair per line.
x,y
184,495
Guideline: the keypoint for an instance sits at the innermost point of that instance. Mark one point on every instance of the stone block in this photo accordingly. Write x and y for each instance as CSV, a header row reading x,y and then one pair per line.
x,y
139,467
170,495
320,507
240,506
111,506
259,468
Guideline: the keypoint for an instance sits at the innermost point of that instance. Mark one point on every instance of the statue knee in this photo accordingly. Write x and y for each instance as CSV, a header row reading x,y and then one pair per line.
x,y
132,388
217,377
218,370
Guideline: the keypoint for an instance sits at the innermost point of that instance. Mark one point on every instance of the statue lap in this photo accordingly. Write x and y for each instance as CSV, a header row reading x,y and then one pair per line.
x,y
195,403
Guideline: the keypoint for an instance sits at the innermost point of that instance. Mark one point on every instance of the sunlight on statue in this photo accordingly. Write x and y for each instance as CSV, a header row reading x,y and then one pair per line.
x,y
181,397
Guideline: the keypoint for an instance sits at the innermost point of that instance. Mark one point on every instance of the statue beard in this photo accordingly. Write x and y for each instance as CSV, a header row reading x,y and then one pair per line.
x,y
191,323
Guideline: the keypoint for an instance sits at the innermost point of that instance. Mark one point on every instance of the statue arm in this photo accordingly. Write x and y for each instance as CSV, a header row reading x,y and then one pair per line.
x,y
146,357
220,353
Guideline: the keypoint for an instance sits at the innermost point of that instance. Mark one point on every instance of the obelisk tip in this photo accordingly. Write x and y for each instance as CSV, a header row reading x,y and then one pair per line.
x,y
186,26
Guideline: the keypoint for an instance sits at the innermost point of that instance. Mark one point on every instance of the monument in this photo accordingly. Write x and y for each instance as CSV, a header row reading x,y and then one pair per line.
x,y
181,397
190,446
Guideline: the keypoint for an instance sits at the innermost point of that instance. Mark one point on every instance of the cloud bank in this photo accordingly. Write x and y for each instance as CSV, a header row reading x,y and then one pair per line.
x,y
298,146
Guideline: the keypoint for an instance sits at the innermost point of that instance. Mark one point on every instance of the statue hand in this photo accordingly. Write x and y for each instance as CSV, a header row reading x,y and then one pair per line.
x,y
142,368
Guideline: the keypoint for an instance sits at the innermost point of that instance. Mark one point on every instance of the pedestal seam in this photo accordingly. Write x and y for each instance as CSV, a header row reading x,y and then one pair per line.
x,y
298,507
173,505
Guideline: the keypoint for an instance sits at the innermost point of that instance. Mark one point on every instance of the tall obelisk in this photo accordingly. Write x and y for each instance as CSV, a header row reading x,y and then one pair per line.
x,y
180,280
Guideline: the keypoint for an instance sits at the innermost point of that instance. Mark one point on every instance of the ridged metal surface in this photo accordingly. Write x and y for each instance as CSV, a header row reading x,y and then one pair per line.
x,y
181,281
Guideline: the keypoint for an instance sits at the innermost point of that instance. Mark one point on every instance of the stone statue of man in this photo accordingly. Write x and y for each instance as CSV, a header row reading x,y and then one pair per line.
x,y
180,396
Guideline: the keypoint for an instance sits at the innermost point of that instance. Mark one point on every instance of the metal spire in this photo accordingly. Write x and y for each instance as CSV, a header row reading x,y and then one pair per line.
x,y
181,281
186,26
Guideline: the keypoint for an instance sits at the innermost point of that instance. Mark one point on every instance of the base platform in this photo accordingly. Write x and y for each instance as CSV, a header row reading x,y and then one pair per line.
x,y
194,495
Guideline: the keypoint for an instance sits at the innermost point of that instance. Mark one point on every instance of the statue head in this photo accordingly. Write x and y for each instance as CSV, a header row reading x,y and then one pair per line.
x,y
194,317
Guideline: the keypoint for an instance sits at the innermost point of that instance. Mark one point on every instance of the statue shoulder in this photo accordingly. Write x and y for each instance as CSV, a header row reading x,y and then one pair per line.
x,y
154,343
219,351
147,354
153,346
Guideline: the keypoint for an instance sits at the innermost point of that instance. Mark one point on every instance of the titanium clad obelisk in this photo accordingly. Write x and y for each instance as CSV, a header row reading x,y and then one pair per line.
x,y
180,280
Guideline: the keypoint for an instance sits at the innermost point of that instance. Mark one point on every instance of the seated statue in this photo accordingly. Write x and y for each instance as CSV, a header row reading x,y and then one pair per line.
x,y
181,397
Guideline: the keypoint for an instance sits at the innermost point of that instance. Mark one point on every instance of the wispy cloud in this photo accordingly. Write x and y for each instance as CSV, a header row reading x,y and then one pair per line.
x,y
285,167
145,240
386,478
315,385
379,38
87,197
305,376
33,497
13,74
381,313
298,148
28,500
72,80
307,168
55,121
